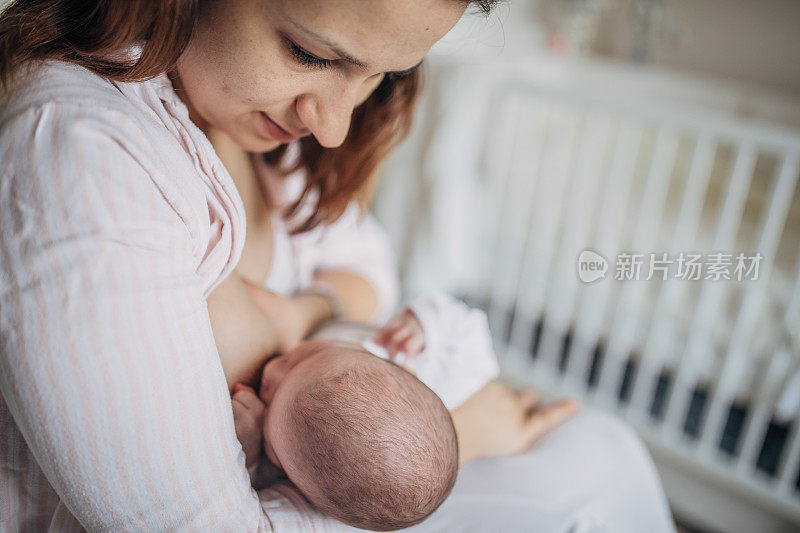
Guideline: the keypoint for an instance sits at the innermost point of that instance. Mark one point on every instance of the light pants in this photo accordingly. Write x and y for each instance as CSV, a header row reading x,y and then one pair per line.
x,y
592,474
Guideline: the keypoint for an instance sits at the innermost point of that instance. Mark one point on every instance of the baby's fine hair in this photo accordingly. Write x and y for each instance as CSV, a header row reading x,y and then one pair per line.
x,y
380,445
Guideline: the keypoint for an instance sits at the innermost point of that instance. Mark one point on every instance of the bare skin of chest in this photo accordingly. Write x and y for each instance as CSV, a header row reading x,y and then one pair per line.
x,y
256,260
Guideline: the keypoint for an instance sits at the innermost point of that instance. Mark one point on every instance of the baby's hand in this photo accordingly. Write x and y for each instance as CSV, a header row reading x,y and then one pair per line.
x,y
404,334
248,418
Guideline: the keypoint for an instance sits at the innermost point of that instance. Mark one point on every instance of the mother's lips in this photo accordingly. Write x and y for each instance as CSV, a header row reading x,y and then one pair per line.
x,y
275,131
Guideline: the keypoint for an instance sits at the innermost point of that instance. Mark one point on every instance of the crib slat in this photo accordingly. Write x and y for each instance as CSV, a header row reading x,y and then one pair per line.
x,y
496,166
693,355
792,315
789,469
764,402
496,161
563,288
584,187
683,239
621,142
514,209
788,472
618,142
594,298
735,363
624,331
540,244
545,219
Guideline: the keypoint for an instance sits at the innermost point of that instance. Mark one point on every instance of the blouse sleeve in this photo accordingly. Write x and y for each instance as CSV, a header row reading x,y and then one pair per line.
x,y
355,243
108,363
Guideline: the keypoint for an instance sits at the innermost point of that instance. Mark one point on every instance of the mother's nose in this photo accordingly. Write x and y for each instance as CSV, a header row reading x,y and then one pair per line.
x,y
327,113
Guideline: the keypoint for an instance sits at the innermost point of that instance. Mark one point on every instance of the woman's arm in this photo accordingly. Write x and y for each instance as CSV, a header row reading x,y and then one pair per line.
x,y
356,294
296,316
349,261
108,363
354,257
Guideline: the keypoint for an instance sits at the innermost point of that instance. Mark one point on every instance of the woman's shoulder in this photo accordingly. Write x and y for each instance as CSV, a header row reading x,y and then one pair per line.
x,y
124,144
64,124
60,83
56,107
69,103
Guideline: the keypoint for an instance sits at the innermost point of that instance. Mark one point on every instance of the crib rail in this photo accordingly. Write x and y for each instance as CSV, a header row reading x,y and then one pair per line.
x,y
697,366
675,356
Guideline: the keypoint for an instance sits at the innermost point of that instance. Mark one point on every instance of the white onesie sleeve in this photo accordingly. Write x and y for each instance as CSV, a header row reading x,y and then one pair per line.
x,y
458,359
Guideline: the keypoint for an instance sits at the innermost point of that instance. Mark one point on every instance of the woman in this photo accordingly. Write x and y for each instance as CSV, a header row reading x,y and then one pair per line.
x,y
118,220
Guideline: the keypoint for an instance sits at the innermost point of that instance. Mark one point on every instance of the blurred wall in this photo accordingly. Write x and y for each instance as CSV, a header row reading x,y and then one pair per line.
x,y
755,41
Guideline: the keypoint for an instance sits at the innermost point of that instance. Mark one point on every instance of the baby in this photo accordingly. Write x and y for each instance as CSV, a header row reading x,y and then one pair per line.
x,y
360,436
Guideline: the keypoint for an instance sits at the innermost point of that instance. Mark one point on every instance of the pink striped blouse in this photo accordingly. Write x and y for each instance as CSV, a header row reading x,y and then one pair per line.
x,y
117,220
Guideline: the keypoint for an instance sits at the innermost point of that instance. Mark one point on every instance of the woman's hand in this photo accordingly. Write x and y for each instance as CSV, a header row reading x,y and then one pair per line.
x,y
499,420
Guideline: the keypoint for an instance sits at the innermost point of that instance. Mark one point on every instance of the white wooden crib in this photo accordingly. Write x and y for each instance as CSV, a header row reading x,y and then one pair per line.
x,y
518,167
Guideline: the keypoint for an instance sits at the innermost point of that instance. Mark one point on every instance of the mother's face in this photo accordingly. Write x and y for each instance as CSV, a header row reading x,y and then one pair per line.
x,y
269,71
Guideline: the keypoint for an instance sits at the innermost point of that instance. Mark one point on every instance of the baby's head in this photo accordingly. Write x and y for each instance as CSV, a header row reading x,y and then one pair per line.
x,y
365,441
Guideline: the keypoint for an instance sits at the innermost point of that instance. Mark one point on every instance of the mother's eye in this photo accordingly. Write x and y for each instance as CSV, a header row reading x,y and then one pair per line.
x,y
305,58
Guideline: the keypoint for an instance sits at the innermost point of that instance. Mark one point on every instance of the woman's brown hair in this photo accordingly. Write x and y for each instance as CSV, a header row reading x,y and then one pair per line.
x,y
93,33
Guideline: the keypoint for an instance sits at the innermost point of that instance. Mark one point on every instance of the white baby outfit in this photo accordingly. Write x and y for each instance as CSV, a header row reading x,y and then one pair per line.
x,y
457,360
